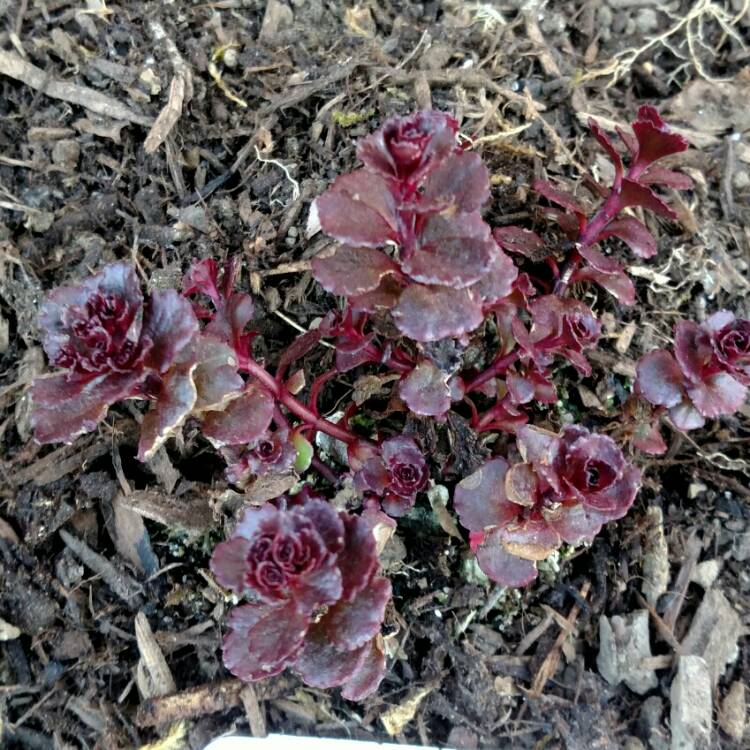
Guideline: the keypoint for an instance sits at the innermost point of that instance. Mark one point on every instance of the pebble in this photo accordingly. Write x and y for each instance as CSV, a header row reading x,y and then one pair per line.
x,y
647,21
733,711
690,716
623,645
706,573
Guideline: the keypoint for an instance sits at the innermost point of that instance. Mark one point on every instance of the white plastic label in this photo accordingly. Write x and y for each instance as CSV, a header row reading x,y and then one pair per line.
x,y
289,742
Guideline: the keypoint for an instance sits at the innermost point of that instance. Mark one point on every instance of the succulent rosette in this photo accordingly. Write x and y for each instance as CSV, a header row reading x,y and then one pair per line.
x,y
707,374
317,600
112,343
396,471
564,490
412,238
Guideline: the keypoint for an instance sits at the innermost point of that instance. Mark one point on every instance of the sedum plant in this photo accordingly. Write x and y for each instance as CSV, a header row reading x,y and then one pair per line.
x,y
474,326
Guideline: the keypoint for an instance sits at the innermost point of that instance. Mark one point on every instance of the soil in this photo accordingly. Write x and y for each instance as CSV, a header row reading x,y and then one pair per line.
x,y
106,603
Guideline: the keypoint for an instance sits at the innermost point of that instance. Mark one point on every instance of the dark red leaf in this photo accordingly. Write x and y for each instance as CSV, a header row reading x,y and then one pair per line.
x,y
349,625
352,270
453,251
635,194
358,209
431,313
560,197
425,390
519,240
169,322
609,147
634,233
658,175
655,140
461,181
321,664
718,394
358,560
480,499
659,378
501,566
368,677
264,639
244,420
229,563
63,409
498,281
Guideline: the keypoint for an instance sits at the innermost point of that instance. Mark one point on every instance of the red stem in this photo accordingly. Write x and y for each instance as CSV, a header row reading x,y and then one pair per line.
x,y
498,367
282,395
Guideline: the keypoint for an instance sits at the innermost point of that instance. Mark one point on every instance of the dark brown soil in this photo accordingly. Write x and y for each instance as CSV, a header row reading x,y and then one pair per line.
x,y
279,96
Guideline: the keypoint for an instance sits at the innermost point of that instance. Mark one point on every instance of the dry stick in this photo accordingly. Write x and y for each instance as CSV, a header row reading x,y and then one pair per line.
x,y
126,587
206,699
180,89
19,69
552,660
692,553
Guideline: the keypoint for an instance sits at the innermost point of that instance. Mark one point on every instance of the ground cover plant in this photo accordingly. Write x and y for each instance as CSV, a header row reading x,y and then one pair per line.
x,y
424,281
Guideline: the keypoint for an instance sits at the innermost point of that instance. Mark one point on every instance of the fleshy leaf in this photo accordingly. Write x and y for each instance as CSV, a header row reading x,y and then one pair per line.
x,y
519,240
244,420
453,251
480,498
358,209
501,566
717,395
635,194
170,323
349,625
229,563
498,280
659,378
63,409
655,140
368,677
320,664
431,313
358,560
461,180
352,270
634,233
264,639
174,404
425,390
560,197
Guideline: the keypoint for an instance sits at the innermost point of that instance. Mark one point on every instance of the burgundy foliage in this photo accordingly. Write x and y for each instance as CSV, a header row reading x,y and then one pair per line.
x,y
419,193
317,601
395,471
650,142
566,487
420,270
112,344
705,376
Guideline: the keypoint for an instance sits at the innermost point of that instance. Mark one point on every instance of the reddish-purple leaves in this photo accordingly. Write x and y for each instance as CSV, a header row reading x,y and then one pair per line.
x,y
706,377
421,193
395,471
631,188
567,486
113,344
425,390
299,562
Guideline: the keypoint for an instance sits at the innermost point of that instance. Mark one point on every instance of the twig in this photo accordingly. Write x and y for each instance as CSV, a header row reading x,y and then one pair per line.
x,y
205,699
121,583
180,90
19,69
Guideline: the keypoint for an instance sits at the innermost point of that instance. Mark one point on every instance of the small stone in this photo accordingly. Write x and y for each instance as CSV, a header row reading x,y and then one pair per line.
x,y
740,179
741,547
65,154
733,711
714,633
8,632
705,573
690,717
647,21
623,645
504,685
